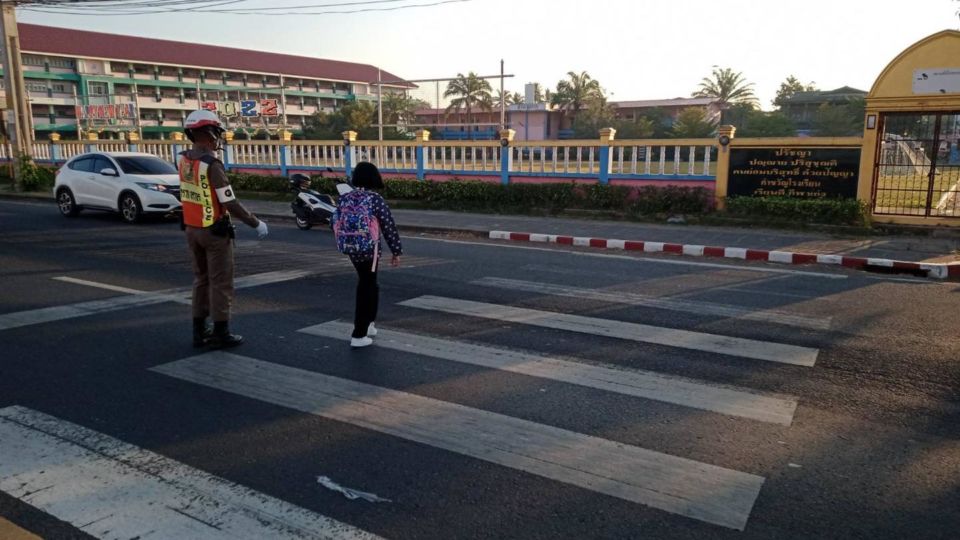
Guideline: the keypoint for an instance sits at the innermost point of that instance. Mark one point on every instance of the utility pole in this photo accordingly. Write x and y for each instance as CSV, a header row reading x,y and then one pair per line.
x,y
379,107
17,113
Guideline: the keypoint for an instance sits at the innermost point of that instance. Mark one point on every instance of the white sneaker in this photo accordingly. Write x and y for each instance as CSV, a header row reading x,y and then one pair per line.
x,y
371,330
356,343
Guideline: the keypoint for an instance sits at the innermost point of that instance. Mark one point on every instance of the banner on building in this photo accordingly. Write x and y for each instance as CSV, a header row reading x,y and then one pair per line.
x,y
247,108
115,111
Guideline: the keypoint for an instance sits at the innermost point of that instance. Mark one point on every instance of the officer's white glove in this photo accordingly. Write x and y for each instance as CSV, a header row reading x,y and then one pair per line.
x,y
262,230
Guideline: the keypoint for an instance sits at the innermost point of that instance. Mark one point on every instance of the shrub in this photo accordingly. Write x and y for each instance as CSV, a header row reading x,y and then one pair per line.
x,y
256,182
34,177
654,200
825,211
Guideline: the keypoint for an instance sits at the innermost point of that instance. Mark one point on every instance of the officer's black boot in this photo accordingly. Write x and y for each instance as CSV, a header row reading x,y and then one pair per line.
x,y
222,338
201,332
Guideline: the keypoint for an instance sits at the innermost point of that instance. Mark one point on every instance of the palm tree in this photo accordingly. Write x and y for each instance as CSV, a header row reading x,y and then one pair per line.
x,y
469,91
506,98
727,87
573,94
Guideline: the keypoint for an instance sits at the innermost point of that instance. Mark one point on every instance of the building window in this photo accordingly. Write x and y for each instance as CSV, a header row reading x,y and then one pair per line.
x,y
37,87
30,60
62,88
63,63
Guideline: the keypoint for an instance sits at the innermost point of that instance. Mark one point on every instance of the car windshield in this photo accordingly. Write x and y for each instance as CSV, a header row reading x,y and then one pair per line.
x,y
145,165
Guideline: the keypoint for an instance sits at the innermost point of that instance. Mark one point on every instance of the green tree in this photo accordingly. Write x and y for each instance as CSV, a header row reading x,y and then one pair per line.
x,y
468,92
661,122
359,116
641,128
692,123
765,124
839,120
790,87
595,115
727,87
576,91
400,110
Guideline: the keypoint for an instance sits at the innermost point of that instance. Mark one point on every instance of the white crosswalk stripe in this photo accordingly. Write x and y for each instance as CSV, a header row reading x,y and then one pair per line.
x,y
644,384
110,489
672,304
697,490
686,339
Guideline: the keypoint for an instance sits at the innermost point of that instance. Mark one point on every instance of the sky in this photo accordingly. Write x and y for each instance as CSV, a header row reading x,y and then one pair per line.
x,y
637,49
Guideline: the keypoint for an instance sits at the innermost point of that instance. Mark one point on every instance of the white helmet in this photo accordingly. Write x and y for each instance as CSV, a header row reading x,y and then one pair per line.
x,y
203,119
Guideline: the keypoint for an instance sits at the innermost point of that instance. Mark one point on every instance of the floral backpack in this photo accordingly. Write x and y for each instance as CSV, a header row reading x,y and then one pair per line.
x,y
356,228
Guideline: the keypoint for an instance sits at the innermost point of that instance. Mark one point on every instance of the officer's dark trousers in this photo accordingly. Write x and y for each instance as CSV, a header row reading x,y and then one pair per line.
x,y
368,297
212,274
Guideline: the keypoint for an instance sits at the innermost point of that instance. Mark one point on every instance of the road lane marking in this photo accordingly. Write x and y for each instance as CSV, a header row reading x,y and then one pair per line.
x,y
109,287
681,486
560,250
673,304
671,337
94,307
111,489
643,384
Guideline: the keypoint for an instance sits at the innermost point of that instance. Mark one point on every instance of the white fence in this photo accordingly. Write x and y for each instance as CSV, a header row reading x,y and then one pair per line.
x,y
685,159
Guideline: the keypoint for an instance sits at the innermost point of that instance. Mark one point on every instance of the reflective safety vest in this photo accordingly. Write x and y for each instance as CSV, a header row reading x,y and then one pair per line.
x,y
201,208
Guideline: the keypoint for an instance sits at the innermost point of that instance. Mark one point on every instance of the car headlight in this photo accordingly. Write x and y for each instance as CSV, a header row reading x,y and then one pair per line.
x,y
152,187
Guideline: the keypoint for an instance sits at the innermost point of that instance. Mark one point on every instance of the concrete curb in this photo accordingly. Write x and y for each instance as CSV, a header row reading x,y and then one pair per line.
x,y
930,270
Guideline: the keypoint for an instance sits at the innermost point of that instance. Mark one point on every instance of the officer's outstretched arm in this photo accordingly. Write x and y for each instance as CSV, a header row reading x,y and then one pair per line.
x,y
227,197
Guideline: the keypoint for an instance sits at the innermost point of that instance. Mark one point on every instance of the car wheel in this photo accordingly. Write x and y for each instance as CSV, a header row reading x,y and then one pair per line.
x,y
130,210
303,224
66,203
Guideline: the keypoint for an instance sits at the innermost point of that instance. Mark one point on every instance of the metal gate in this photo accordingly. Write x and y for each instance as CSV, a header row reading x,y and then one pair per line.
x,y
917,172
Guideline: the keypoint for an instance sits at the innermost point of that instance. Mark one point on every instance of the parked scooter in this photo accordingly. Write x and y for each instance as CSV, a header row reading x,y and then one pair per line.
x,y
310,207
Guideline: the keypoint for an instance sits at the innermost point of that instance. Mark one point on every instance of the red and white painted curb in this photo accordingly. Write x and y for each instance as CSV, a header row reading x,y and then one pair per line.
x,y
933,270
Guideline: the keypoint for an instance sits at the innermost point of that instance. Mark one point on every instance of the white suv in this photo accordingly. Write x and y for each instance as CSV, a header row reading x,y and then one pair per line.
x,y
132,184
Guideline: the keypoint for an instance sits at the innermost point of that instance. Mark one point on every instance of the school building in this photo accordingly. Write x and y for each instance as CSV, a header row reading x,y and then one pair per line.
x,y
64,68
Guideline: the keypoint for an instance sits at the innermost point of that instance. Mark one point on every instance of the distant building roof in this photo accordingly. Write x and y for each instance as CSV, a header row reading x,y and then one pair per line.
x,y
80,43
654,103
843,93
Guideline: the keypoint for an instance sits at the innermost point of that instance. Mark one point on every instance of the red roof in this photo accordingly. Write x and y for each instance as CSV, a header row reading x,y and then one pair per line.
x,y
80,43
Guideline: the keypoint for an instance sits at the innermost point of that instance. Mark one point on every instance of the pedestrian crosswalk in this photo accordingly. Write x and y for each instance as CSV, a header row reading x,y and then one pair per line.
x,y
111,489
685,339
643,384
84,461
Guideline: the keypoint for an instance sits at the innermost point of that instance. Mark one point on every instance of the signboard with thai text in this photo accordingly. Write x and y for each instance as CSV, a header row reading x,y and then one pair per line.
x,y
936,81
808,173
115,111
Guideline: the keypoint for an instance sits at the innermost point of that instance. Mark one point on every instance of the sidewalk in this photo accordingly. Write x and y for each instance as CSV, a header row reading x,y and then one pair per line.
x,y
900,248
735,242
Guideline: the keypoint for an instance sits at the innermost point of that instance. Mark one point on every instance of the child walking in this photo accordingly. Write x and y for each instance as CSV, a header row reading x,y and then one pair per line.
x,y
362,215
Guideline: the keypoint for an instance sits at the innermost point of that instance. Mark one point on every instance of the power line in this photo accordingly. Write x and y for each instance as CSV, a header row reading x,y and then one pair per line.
x,y
146,7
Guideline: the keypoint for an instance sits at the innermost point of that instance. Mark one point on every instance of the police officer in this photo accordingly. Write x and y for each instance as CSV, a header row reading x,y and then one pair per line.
x,y
208,203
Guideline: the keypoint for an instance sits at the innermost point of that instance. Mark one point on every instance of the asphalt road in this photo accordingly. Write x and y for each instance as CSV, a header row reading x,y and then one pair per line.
x,y
859,436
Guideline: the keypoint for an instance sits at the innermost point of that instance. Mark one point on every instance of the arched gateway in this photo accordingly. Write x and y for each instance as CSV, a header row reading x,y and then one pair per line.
x,y
910,164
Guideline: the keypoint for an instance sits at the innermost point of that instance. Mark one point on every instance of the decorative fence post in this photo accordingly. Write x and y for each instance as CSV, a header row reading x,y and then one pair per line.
x,y
349,152
606,164
285,137
506,154
227,149
725,135
133,140
177,139
422,136
91,145
54,147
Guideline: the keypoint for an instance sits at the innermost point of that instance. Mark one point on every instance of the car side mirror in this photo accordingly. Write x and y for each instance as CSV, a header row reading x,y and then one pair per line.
x,y
109,171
